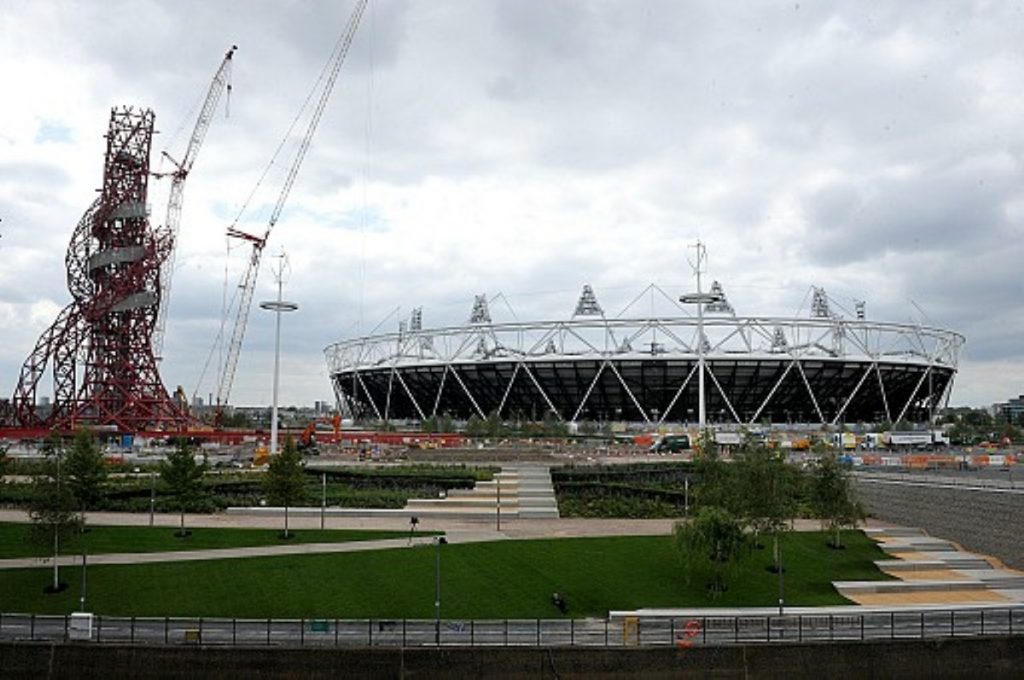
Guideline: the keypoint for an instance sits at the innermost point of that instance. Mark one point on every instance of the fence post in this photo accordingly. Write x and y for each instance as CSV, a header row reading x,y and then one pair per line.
x,y
336,631
67,616
735,630
538,632
403,632
672,631
922,624
800,628
506,632
167,623
862,628
369,631
831,631
99,628
704,628
982,621
1010,611
200,630
768,628
133,631
31,626
892,625
234,631
952,623
268,632
302,632
605,633
472,632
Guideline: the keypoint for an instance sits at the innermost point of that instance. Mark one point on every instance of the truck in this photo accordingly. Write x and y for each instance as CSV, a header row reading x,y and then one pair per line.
x,y
671,443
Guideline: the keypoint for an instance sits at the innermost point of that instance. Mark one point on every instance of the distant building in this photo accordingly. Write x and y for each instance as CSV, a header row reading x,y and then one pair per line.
x,y
1010,411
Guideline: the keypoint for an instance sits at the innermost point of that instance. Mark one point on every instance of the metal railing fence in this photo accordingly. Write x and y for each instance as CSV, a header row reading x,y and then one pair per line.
x,y
629,631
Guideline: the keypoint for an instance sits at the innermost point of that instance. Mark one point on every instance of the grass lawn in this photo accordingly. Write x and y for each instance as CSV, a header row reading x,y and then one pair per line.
x,y
501,579
118,539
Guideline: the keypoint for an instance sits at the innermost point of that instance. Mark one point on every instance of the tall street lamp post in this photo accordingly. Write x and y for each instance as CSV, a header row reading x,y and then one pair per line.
x,y
277,306
700,298
438,542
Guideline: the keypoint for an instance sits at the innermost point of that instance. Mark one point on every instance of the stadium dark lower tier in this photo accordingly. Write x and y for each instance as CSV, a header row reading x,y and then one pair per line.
x,y
771,390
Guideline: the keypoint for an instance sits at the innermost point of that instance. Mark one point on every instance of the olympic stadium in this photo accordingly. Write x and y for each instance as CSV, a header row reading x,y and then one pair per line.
x,y
819,368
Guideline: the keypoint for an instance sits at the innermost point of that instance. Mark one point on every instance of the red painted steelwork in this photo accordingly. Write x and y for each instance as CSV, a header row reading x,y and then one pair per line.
x,y
100,347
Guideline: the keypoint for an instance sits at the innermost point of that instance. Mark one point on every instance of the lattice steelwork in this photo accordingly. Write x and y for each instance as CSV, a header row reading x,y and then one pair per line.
x,y
100,346
817,370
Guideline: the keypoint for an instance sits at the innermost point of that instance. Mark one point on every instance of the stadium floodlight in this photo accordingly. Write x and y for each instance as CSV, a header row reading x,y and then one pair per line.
x,y
277,306
700,298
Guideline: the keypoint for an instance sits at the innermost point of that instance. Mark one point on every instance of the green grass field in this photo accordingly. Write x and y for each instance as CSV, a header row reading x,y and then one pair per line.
x,y
118,539
502,579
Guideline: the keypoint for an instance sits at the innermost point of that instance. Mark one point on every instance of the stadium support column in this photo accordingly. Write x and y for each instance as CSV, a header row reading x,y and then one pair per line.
x,y
700,299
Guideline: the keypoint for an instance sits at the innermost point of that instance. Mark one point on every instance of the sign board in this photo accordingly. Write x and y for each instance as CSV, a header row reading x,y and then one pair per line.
x,y
80,626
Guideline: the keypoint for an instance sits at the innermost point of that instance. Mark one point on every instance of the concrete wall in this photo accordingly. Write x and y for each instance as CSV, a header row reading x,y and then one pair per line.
x,y
975,658
980,520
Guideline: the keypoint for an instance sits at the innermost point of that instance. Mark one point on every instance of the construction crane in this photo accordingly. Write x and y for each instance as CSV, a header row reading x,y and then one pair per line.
x,y
248,281
169,232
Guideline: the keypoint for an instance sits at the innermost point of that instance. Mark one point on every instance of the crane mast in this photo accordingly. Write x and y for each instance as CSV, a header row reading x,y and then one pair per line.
x,y
247,285
169,232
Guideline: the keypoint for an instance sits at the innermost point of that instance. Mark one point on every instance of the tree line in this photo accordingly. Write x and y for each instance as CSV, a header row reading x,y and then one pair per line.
x,y
755,498
72,477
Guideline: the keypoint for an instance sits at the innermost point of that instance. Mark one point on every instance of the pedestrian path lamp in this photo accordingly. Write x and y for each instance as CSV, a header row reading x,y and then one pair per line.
x,y
438,542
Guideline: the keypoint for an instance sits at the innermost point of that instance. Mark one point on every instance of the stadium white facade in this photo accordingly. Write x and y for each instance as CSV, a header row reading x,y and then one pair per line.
x,y
822,369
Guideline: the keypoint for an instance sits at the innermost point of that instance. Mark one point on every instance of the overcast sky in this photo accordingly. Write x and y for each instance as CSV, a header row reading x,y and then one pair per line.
x,y
532,146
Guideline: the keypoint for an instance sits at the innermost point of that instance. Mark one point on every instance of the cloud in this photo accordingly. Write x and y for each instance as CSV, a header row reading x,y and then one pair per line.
x,y
531,147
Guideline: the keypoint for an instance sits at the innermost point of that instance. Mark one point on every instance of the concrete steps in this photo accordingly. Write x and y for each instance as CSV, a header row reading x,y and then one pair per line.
x,y
526,492
931,570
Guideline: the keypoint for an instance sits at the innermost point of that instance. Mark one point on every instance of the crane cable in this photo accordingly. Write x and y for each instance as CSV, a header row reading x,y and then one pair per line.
x,y
248,282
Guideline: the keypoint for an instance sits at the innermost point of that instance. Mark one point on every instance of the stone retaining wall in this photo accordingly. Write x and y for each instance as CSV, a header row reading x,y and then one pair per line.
x,y
964,657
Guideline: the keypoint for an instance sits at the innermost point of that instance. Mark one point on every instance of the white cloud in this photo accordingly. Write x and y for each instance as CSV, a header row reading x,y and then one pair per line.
x,y
531,147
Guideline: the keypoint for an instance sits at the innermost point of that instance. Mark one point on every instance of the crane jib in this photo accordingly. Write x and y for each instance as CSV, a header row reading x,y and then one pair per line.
x,y
248,281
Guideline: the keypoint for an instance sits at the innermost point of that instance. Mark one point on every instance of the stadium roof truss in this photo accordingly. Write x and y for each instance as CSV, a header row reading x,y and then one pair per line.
x,y
819,369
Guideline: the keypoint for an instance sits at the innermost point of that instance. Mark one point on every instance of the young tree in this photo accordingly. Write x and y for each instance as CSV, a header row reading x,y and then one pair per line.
x,y
184,476
715,535
52,507
286,479
715,478
85,470
832,497
765,492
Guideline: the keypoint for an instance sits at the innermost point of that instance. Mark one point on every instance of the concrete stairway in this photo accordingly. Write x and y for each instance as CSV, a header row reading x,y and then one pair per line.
x,y
932,571
526,493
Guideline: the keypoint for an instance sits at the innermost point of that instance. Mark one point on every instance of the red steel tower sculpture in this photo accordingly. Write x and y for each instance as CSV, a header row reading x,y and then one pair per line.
x,y
101,345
